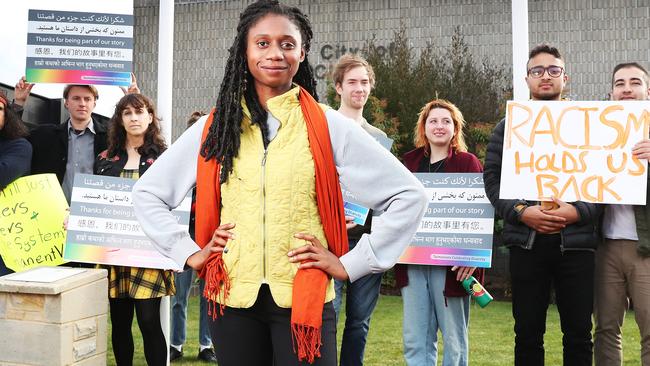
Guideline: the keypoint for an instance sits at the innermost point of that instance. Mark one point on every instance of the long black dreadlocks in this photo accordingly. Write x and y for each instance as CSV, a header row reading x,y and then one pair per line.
x,y
223,139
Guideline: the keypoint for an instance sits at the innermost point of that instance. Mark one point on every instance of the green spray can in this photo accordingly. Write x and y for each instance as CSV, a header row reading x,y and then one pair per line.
x,y
477,291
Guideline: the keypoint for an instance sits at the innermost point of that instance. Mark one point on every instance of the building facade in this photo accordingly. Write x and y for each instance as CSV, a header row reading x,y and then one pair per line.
x,y
594,35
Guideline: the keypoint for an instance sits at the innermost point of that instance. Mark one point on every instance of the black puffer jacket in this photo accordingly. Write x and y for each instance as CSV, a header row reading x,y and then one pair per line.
x,y
583,235
113,165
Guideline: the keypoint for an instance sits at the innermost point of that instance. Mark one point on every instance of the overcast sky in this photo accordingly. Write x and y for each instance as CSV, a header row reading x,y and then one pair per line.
x,y
13,39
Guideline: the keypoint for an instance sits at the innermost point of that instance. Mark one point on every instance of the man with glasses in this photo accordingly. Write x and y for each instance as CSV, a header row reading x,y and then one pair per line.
x,y
549,246
623,258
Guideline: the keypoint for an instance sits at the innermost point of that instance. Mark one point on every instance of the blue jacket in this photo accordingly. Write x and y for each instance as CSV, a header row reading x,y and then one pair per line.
x,y
15,159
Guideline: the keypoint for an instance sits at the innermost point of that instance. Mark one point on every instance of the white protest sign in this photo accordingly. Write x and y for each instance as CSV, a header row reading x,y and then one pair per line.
x,y
102,227
575,151
90,43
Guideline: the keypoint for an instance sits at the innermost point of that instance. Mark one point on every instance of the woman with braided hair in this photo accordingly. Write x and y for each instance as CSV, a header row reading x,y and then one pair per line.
x,y
268,164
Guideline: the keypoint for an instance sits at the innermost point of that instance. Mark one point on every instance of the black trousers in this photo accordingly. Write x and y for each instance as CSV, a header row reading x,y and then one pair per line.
x,y
148,315
571,273
261,335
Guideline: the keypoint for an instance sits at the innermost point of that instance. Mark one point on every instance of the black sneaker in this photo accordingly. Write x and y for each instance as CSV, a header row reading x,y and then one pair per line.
x,y
174,354
207,355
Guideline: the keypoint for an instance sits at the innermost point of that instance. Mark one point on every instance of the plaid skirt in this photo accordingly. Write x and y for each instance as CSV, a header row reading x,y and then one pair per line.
x,y
139,283
135,282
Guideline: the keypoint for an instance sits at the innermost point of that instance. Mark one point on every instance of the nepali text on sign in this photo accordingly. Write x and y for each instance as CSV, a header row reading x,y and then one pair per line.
x,y
457,226
76,47
103,228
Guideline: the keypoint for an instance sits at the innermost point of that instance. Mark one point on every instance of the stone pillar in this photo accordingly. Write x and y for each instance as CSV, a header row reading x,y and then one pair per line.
x,y
58,323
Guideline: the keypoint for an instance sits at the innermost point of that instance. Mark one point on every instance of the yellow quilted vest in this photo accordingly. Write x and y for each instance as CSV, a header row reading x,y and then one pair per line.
x,y
270,196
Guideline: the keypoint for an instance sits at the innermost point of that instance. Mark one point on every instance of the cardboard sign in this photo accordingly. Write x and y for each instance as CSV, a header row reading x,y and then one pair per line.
x,y
80,47
102,227
575,151
32,210
457,226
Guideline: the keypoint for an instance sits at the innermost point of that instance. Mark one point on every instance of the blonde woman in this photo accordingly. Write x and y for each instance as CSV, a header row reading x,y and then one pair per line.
x,y
433,296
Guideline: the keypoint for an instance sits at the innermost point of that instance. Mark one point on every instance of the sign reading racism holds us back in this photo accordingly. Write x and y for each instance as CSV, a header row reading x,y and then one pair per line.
x,y
575,151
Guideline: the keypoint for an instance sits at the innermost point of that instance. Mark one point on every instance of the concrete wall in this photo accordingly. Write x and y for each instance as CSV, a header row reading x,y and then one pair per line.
x,y
594,35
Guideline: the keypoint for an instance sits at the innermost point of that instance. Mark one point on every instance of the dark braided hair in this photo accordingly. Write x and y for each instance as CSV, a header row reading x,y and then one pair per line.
x,y
223,139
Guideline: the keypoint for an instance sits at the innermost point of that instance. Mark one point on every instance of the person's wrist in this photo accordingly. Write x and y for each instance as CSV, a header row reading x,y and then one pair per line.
x,y
519,208
576,213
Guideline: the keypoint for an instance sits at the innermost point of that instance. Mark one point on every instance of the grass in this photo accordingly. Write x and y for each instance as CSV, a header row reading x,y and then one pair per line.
x,y
491,336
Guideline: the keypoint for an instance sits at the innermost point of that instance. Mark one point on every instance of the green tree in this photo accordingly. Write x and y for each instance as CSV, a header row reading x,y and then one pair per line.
x,y
405,82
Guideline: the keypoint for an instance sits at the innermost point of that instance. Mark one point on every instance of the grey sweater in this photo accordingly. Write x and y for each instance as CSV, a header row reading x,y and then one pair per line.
x,y
361,162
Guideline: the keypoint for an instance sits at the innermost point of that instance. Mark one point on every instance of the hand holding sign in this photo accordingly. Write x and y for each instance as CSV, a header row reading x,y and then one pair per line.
x,y
133,87
541,221
564,210
21,91
463,273
349,222
642,149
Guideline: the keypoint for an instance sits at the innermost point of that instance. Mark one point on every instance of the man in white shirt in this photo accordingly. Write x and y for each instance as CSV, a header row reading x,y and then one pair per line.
x,y
623,259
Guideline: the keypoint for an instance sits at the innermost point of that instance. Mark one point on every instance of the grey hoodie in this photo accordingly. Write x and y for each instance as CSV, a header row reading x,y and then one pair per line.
x,y
376,177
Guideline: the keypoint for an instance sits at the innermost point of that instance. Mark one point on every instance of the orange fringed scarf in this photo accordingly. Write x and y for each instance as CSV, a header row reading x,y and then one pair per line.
x,y
309,285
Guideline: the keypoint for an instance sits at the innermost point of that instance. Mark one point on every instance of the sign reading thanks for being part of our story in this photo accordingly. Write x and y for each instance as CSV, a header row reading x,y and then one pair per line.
x,y
102,227
457,226
575,151
92,44
32,210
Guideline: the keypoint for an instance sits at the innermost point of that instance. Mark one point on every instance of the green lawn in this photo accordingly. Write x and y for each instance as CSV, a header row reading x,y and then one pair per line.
x,y
491,336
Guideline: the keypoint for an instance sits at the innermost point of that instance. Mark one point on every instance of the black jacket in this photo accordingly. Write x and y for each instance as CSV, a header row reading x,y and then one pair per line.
x,y
50,147
113,166
583,235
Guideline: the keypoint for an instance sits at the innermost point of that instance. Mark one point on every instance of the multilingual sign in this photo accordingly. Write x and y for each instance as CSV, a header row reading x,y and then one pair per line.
x,y
457,225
